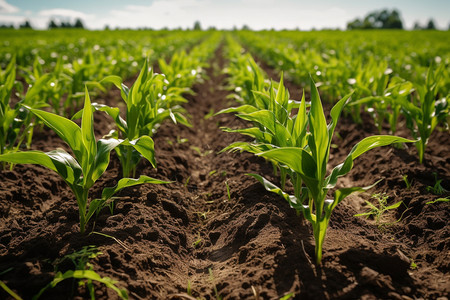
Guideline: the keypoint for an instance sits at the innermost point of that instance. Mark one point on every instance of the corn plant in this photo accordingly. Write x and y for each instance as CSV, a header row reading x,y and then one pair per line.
x,y
148,102
304,153
385,104
84,272
310,164
16,126
273,124
424,113
89,162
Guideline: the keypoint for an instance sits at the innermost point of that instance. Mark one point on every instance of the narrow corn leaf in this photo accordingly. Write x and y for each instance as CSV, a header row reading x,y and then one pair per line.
x,y
104,148
264,117
244,146
254,132
296,159
363,146
114,112
67,130
88,138
335,114
145,146
340,195
36,88
269,186
57,160
84,274
299,128
9,291
375,141
244,109
300,161
126,182
319,133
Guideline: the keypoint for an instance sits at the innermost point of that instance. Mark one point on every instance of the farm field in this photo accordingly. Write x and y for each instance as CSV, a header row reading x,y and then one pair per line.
x,y
195,225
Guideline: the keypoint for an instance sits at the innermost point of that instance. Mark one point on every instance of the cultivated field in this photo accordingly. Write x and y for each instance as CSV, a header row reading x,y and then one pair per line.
x,y
224,165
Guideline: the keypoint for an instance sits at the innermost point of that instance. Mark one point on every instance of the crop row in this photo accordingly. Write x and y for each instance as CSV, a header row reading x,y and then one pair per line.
x,y
389,74
151,99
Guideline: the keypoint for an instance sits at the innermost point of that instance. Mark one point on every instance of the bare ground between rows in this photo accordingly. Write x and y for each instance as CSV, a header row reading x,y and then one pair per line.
x,y
191,234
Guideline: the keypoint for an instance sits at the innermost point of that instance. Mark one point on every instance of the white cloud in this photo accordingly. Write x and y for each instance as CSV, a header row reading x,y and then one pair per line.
x,y
256,14
6,8
64,13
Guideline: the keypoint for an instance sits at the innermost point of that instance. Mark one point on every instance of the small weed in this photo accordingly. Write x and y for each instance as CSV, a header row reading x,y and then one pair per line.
x,y
187,181
377,212
228,190
211,277
197,242
84,272
200,152
413,265
437,189
446,199
407,182
209,114
181,140
212,172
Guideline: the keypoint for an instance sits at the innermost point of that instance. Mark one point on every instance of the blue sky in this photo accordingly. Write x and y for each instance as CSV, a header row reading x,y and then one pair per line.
x,y
257,14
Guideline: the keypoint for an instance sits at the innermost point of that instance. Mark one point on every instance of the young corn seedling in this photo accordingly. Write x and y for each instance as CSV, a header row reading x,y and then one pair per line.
x,y
16,126
273,124
84,272
90,159
424,114
309,164
148,103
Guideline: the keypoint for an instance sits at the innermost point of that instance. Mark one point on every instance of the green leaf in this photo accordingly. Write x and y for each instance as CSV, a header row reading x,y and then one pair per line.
x,y
114,112
395,205
300,122
300,161
104,148
375,141
269,186
117,81
9,291
126,182
67,130
319,133
265,118
88,139
57,160
145,146
340,194
35,89
84,274
244,109
294,158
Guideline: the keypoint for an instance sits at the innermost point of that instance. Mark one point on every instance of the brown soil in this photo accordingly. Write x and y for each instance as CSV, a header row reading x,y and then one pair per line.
x,y
191,235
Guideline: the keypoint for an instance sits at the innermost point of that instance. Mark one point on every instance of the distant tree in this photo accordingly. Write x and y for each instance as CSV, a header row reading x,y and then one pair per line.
x,y
430,25
245,27
417,26
78,24
6,26
52,24
65,24
106,27
197,25
383,19
26,24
